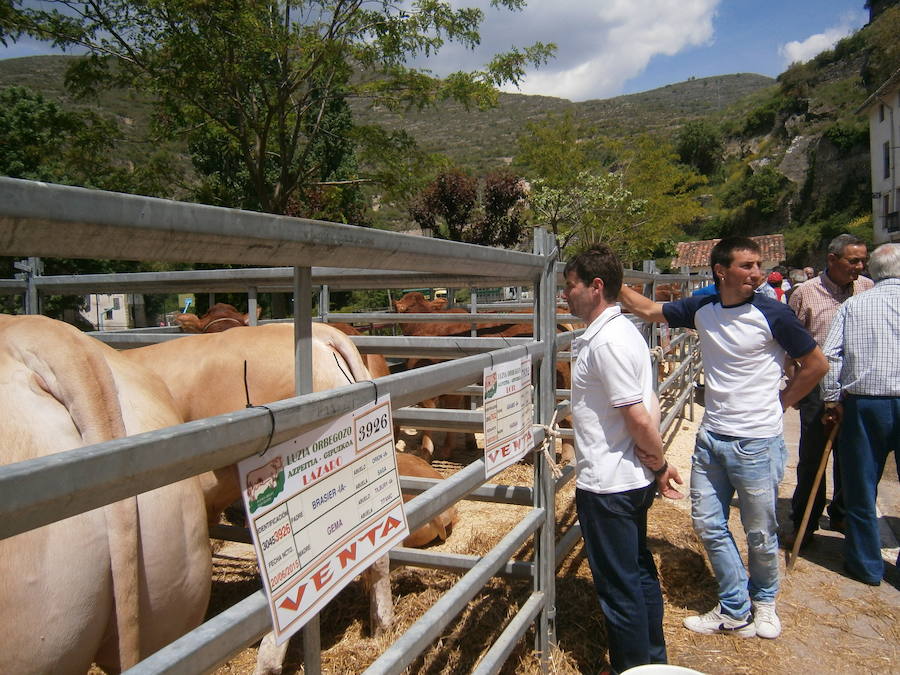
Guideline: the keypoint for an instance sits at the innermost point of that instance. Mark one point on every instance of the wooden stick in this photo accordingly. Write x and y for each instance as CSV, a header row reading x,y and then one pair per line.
x,y
798,540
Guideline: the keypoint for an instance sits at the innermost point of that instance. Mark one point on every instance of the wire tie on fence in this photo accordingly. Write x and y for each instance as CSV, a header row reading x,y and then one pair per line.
x,y
376,390
264,407
551,433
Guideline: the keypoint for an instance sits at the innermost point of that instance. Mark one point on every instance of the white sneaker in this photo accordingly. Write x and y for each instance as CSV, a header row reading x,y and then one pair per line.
x,y
716,621
767,623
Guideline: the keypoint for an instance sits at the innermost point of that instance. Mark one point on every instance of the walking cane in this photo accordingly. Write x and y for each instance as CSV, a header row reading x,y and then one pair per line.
x,y
812,497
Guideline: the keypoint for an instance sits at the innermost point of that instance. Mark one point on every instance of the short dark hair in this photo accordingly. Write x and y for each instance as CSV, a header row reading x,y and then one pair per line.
x,y
723,252
598,262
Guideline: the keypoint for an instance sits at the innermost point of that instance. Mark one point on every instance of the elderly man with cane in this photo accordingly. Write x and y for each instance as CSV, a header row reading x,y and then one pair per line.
x,y
815,303
862,392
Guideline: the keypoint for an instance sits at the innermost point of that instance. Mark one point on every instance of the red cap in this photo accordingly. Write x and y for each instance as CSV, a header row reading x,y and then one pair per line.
x,y
775,276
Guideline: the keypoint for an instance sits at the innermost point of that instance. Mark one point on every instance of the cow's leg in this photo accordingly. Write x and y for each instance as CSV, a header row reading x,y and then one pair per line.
x,y
220,490
381,605
270,656
567,449
427,443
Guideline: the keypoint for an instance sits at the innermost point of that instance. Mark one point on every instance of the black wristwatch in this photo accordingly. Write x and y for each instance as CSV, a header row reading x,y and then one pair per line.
x,y
661,470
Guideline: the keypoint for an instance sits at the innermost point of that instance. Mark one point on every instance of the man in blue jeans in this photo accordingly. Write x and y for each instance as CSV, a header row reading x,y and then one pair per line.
x,y
619,459
744,340
863,388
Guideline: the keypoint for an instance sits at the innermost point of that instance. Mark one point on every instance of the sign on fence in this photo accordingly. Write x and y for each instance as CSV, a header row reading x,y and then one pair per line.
x,y
507,414
323,507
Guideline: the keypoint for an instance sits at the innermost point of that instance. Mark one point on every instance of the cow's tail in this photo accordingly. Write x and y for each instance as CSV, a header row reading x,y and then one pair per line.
x,y
345,348
71,367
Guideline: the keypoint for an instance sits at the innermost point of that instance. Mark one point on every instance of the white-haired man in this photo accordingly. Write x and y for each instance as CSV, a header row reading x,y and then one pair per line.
x,y
862,388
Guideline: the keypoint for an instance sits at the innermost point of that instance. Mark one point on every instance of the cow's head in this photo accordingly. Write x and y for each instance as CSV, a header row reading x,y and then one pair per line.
x,y
413,302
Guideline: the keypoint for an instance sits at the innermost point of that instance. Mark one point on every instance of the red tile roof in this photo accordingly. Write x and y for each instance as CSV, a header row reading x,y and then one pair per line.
x,y
696,253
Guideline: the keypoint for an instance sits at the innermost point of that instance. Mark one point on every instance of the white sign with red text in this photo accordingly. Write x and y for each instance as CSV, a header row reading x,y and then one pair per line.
x,y
507,414
323,507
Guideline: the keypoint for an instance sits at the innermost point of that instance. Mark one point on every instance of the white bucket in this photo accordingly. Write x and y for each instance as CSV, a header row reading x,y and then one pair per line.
x,y
660,669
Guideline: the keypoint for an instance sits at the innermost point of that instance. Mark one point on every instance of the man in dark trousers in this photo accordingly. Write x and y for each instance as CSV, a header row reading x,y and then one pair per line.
x,y
815,302
619,459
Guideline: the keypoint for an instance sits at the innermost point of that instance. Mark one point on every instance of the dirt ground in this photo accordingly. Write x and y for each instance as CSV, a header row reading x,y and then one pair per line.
x,y
831,623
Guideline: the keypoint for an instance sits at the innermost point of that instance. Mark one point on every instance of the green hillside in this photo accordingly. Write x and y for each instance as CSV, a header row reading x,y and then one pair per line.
x,y
476,139
483,139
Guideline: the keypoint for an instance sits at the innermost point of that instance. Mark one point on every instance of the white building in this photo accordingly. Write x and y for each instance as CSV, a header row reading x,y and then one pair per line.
x,y
883,108
107,311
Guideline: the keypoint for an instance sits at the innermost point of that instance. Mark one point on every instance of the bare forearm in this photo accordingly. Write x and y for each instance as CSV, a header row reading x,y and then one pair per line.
x,y
642,307
644,430
810,369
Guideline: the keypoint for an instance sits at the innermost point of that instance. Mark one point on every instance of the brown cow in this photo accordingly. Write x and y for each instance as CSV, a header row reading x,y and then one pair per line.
x,y
220,317
415,302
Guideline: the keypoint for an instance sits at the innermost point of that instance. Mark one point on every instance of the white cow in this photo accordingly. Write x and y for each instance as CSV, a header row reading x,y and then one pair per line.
x,y
116,583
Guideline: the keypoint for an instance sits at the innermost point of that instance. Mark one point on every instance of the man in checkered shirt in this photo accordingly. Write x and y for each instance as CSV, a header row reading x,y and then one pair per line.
x,y
815,302
862,389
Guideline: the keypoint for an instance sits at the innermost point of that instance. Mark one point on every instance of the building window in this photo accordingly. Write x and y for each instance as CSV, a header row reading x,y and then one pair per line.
x,y
881,113
116,304
886,152
109,315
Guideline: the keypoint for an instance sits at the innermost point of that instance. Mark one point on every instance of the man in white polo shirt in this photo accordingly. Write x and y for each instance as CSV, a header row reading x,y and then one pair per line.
x,y
744,340
619,459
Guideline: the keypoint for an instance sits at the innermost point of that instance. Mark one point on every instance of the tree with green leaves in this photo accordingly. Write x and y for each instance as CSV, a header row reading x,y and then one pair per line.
x,y
558,149
256,83
39,140
588,189
590,209
699,145
454,206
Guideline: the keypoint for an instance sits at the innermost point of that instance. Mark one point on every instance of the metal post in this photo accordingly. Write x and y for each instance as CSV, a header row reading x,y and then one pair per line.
x,y
545,487
473,308
30,269
252,306
212,299
324,303
312,639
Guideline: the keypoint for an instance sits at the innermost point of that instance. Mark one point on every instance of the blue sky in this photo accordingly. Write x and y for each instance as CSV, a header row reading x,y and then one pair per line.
x,y
611,47
756,36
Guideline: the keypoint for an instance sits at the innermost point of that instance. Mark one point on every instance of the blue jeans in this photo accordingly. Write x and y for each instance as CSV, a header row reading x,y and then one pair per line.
x,y
752,468
614,527
869,431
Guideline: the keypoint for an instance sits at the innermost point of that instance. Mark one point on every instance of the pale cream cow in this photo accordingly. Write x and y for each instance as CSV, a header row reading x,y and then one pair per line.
x,y
114,584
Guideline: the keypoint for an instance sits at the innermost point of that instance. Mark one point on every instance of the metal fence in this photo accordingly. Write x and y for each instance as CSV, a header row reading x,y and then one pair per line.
x,y
48,220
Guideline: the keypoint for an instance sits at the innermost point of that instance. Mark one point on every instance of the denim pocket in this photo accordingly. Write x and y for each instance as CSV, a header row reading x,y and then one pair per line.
x,y
752,447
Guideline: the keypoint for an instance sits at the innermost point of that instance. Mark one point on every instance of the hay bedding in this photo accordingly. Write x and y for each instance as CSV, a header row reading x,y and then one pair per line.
x,y
831,626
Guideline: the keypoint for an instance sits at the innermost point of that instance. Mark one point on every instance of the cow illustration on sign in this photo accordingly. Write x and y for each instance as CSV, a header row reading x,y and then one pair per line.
x,y
265,484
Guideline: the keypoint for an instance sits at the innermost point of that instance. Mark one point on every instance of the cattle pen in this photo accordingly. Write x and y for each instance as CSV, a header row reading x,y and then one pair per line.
x,y
43,220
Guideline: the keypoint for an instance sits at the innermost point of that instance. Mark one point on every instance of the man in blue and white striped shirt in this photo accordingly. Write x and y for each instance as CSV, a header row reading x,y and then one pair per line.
x,y
862,388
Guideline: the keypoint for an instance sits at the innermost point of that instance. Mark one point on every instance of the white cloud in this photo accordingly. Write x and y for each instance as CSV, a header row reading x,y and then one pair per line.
x,y
800,51
600,45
